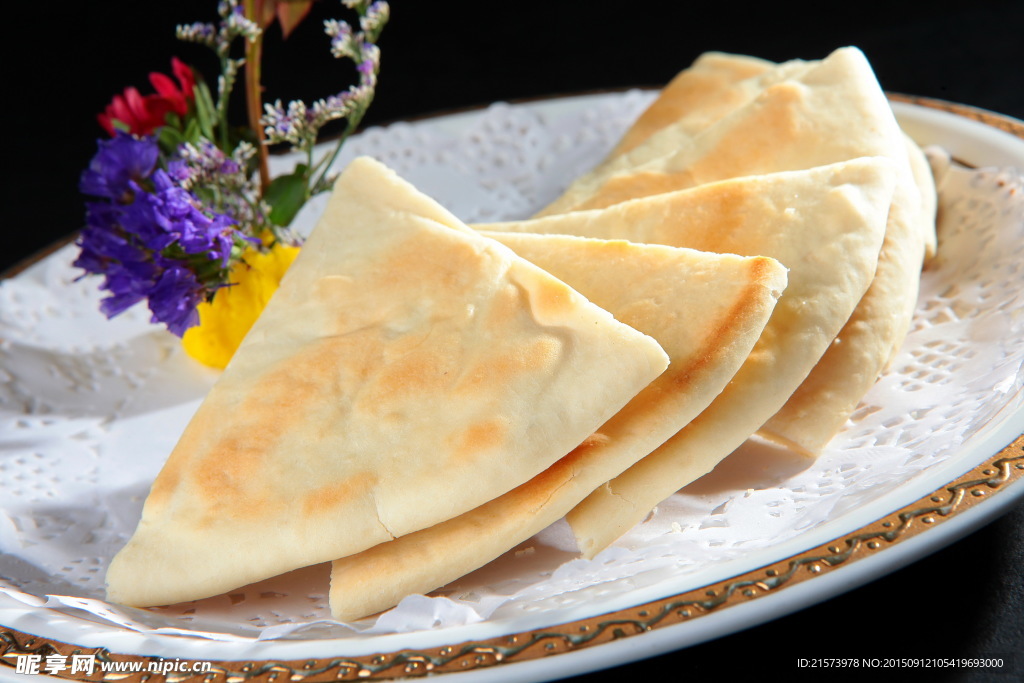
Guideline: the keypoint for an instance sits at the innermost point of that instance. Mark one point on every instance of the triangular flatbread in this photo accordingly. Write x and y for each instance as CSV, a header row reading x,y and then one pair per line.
x,y
715,85
702,95
825,224
825,112
406,371
706,310
832,111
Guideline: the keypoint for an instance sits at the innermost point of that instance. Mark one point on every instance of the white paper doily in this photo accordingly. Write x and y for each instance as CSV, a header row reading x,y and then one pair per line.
x,y
89,409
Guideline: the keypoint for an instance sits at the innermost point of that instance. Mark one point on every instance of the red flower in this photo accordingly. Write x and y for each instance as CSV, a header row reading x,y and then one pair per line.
x,y
143,114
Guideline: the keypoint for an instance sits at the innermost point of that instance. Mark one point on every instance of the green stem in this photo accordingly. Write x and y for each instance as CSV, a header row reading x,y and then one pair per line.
x,y
222,102
311,166
353,123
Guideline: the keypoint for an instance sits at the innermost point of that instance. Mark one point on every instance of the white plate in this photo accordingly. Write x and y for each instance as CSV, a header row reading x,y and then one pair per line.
x,y
91,407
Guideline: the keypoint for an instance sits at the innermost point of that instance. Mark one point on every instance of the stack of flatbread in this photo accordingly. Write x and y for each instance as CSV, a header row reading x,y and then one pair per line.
x,y
420,396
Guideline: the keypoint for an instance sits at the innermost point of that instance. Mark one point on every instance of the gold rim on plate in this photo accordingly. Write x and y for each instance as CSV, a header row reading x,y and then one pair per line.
x,y
964,493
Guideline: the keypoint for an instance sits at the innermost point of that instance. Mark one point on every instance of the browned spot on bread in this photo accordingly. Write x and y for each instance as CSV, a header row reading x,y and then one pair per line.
x,y
192,441
479,437
505,306
323,500
716,216
332,293
426,370
773,126
593,441
505,365
546,298
419,262
550,299
224,458
739,317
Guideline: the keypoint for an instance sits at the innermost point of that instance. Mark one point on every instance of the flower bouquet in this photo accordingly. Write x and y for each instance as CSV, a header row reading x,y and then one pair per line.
x,y
182,211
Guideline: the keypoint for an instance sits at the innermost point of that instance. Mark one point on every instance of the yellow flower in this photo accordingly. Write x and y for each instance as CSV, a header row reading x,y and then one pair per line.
x,y
225,321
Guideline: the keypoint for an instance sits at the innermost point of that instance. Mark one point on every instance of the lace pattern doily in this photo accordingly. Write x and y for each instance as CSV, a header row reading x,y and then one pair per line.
x,y
89,408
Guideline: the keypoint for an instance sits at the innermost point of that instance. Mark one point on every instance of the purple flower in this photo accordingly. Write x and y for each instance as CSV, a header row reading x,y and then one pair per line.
x,y
126,289
222,233
179,171
174,297
102,247
144,222
229,167
119,161
149,236
178,212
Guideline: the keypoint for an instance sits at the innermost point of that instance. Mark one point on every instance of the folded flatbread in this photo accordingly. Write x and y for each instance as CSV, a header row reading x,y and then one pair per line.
x,y
825,224
715,85
406,371
821,113
706,310
830,111
700,96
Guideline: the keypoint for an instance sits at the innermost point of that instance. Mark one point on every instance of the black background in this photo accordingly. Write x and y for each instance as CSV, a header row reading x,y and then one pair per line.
x,y
64,63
